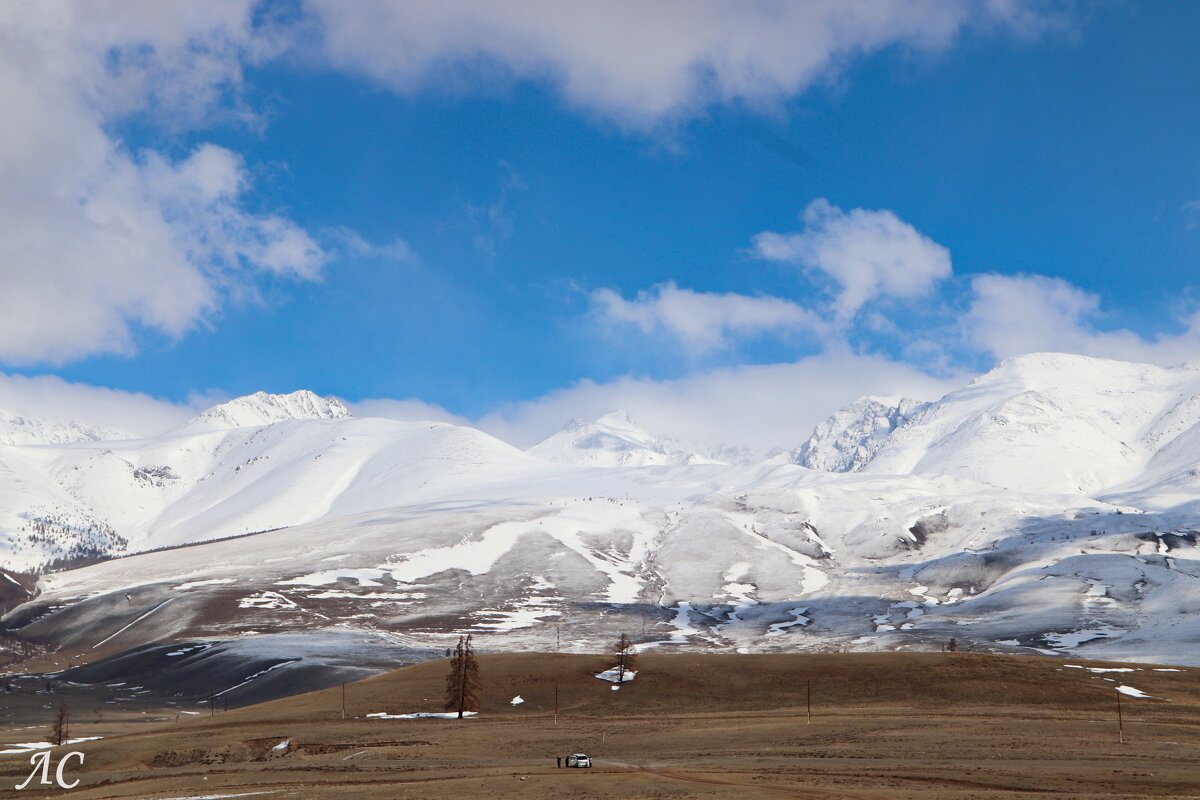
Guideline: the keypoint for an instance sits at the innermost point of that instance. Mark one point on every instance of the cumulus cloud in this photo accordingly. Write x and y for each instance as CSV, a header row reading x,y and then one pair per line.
x,y
97,241
701,321
867,254
50,398
1015,314
641,63
756,406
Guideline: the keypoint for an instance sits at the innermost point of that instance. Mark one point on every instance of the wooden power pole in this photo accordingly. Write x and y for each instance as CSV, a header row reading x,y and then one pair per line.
x,y
1120,720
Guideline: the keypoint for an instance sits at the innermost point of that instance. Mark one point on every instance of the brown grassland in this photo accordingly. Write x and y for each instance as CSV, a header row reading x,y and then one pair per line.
x,y
888,725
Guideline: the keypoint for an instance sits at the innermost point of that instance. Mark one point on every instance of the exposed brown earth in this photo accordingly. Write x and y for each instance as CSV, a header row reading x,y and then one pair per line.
x,y
895,725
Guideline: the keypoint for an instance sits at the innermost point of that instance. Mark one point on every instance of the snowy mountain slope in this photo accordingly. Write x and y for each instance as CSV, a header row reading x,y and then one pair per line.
x,y
975,518
613,440
20,429
1047,423
41,521
219,483
802,561
850,438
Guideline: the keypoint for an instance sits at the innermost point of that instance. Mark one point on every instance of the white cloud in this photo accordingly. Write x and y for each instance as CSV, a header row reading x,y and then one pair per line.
x,y
1015,314
868,254
1191,213
756,406
348,243
701,321
411,410
493,221
643,63
97,241
50,398
777,405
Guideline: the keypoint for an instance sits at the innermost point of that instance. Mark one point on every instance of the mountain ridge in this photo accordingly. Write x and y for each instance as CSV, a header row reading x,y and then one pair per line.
x,y
1048,506
262,408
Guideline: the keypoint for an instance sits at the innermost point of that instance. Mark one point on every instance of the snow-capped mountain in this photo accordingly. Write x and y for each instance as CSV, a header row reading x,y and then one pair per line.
x,y
261,408
1050,423
849,439
20,429
614,440
191,486
1050,505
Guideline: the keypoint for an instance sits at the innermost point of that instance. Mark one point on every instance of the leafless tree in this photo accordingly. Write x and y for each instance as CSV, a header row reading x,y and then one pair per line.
x,y
626,658
60,732
462,684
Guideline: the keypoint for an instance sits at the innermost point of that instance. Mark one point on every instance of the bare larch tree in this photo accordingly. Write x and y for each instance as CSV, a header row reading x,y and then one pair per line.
x,y
60,732
626,657
462,684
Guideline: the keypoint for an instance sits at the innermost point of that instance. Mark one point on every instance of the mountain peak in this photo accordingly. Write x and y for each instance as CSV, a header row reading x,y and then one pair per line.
x,y
262,408
850,437
613,440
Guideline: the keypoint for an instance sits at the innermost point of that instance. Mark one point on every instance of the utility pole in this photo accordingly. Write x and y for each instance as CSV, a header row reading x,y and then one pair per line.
x,y
1120,720
556,702
558,638
343,700
212,704
462,683
808,687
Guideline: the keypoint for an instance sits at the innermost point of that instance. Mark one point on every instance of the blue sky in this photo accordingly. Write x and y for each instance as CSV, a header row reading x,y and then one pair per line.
x,y
481,231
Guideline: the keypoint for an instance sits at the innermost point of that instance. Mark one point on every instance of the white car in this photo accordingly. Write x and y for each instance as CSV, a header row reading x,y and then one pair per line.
x,y
579,760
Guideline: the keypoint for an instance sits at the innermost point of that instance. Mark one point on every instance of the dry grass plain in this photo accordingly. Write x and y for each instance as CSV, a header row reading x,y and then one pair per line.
x,y
895,725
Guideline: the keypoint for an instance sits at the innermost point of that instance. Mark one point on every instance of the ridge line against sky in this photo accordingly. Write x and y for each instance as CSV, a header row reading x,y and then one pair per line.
x,y
727,218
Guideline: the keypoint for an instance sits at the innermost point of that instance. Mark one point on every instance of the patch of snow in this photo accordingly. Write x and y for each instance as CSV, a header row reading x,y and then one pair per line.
x,y
271,601
183,587
188,650
516,701
364,577
29,747
331,594
614,675
1067,641
423,715
778,628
